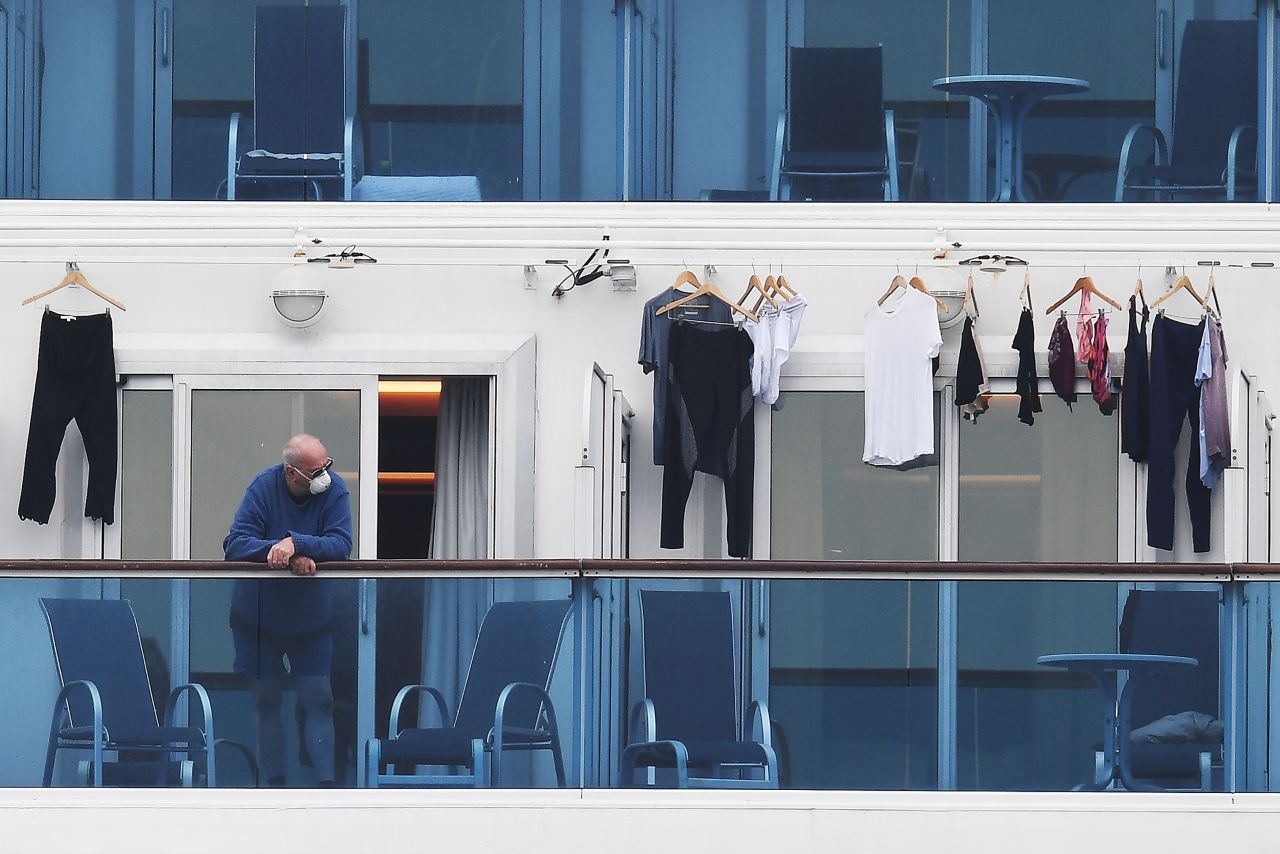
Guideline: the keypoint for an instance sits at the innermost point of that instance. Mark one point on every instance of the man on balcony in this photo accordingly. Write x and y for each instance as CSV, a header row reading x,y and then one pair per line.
x,y
294,515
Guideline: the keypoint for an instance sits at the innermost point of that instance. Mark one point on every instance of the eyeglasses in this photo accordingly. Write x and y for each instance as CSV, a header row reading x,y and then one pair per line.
x,y
328,464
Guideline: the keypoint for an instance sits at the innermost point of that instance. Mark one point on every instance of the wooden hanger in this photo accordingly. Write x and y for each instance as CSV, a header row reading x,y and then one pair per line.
x,y
969,298
1184,284
897,282
754,284
784,287
1024,295
707,288
918,283
1208,292
74,277
1084,283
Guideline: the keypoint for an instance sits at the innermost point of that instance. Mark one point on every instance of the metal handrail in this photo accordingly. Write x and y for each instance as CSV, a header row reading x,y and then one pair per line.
x,y
631,568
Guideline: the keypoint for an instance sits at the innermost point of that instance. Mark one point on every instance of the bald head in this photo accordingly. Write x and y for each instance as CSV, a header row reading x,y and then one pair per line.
x,y
305,452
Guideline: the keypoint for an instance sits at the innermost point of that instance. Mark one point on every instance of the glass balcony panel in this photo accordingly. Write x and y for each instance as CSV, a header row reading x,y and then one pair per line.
x,y
1041,493
920,42
505,100
852,665
442,100
284,724
1190,72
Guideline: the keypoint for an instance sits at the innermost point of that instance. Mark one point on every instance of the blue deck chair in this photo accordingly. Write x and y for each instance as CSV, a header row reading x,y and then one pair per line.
x,y
504,706
304,142
1174,622
106,705
1214,120
688,719
835,132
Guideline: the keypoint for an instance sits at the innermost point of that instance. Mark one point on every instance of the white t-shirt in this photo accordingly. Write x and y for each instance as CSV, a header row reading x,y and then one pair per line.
x,y
902,337
762,344
785,332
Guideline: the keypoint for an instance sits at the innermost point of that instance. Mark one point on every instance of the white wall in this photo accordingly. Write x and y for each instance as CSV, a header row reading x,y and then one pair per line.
x,y
196,298
677,822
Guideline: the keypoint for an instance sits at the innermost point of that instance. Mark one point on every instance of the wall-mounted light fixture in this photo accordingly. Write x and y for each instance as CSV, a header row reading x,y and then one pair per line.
x,y
299,307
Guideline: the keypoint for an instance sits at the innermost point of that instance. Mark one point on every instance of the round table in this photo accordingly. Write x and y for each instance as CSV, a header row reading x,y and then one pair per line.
x,y
1105,668
1010,98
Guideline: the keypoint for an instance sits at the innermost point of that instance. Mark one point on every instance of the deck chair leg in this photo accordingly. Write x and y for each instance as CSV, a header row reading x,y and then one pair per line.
x,y
771,766
682,766
52,753
478,765
372,754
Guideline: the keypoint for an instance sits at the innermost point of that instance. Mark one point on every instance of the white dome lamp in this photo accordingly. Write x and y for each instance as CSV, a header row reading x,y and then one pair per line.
x,y
299,307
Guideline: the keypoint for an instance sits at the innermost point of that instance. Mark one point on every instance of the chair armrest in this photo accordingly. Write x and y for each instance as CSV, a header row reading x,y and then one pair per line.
x,y
95,698
761,724
891,157
779,139
206,707
500,709
1233,156
498,733
650,722
1162,153
233,143
393,723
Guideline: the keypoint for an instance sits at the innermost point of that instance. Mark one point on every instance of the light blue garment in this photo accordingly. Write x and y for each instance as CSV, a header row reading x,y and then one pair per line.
x,y
1209,475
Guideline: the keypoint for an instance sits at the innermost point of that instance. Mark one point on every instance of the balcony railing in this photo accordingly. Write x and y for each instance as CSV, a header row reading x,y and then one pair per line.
x,y
876,675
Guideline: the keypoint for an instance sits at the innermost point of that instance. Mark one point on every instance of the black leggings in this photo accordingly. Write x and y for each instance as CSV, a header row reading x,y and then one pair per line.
x,y
1174,400
710,428
75,378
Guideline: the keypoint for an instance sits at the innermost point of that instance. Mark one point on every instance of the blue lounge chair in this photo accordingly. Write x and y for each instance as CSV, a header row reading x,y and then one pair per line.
x,y
688,719
504,706
1214,132
304,142
835,134
106,705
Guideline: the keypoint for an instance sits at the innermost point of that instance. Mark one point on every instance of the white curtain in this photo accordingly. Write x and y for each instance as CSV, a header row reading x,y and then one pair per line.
x,y
454,608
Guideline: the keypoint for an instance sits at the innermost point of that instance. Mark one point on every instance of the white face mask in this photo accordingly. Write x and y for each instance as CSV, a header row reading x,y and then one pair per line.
x,y
321,483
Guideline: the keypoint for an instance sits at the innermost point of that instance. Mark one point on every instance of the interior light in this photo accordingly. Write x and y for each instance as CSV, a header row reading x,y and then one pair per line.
x,y
409,386
299,307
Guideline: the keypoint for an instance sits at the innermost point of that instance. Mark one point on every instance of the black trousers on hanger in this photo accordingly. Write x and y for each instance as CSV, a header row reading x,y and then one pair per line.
x,y
710,428
1175,399
75,379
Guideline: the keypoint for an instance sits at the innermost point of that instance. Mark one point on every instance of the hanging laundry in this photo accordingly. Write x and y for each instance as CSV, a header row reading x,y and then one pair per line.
x,y
655,333
710,427
1062,362
1084,327
1215,426
973,391
901,340
1098,366
1028,381
761,334
75,379
1135,392
786,329
1175,399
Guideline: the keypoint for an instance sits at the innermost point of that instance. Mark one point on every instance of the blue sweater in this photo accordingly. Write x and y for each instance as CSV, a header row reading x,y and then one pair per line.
x,y
321,529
